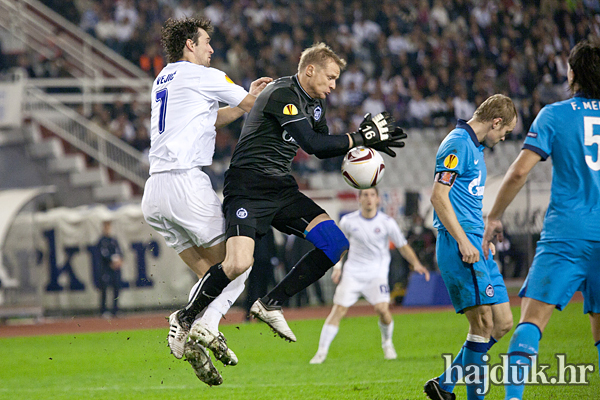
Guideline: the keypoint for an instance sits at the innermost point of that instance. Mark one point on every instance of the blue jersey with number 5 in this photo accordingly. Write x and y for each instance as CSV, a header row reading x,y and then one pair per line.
x,y
569,132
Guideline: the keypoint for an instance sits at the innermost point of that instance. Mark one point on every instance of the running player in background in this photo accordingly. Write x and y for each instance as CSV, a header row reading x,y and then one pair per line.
x,y
178,200
567,257
260,190
366,270
474,283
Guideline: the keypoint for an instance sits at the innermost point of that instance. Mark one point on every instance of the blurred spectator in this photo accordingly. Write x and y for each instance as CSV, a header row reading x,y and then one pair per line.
x,y
547,91
122,128
418,110
106,29
111,260
90,18
184,8
152,60
374,104
422,240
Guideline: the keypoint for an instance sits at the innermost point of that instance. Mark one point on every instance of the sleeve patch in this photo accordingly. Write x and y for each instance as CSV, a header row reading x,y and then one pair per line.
x,y
532,134
290,109
228,79
451,161
446,177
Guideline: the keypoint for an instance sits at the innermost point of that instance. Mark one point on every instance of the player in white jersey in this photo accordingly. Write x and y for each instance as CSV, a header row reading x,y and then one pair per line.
x,y
178,200
366,269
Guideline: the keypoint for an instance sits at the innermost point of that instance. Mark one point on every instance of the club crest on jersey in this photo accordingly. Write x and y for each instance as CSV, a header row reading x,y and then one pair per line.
x,y
228,79
489,291
377,230
451,161
290,109
241,213
317,113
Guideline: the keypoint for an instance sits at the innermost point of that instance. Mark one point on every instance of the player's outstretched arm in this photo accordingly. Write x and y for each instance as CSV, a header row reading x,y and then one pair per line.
x,y
227,115
409,255
258,85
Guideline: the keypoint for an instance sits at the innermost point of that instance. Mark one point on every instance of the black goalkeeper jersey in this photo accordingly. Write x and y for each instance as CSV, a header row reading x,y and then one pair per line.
x,y
265,146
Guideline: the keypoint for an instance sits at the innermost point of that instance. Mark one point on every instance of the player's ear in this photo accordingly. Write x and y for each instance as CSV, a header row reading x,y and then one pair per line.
x,y
310,70
496,123
189,44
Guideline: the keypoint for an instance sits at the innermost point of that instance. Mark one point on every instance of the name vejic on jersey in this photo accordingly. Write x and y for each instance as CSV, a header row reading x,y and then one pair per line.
x,y
165,78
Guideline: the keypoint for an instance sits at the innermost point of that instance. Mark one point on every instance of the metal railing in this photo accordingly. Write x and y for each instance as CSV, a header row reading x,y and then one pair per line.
x,y
88,137
88,91
40,28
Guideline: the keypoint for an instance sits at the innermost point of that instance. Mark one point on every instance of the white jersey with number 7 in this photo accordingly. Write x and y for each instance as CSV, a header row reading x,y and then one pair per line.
x,y
185,101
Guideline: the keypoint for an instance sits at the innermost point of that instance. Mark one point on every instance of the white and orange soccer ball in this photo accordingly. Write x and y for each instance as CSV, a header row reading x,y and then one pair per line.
x,y
363,168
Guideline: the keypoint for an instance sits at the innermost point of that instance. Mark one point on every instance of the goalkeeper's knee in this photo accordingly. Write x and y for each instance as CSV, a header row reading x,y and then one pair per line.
x,y
327,237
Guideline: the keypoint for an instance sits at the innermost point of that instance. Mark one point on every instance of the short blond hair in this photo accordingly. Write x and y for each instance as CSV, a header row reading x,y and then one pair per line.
x,y
319,54
496,106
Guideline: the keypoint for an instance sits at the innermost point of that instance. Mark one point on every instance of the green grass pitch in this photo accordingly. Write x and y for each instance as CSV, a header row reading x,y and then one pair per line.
x,y
137,364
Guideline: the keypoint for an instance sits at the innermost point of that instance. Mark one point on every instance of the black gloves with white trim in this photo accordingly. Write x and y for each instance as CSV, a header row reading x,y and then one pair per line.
x,y
379,133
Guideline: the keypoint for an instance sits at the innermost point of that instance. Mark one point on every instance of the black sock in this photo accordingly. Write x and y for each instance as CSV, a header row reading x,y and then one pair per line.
x,y
308,270
213,283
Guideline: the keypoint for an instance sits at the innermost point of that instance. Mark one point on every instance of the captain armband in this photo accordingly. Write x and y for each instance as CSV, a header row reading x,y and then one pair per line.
x,y
446,177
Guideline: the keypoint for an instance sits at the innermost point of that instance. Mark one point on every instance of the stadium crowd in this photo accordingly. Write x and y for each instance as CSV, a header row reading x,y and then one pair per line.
x,y
426,61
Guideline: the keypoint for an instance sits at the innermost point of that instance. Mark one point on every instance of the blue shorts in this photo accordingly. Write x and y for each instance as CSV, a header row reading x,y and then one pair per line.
x,y
562,267
469,284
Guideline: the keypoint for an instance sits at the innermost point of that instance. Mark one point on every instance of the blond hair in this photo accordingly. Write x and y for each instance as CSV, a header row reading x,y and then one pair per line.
x,y
496,106
319,54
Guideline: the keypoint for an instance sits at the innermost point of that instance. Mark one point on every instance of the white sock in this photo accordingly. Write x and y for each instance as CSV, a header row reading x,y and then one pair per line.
x,y
387,331
211,318
219,306
477,338
327,335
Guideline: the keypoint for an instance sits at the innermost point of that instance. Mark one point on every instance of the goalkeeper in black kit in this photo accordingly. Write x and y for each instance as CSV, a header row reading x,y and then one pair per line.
x,y
261,192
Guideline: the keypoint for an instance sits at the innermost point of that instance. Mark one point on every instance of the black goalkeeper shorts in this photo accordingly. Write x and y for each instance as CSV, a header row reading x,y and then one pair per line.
x,y
254,202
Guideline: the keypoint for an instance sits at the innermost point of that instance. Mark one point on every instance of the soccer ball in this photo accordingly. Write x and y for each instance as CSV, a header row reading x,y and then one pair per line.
x,y
362,168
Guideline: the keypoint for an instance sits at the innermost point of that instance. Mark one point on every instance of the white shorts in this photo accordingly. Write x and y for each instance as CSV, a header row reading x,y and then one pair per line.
x,y
182,206
349,290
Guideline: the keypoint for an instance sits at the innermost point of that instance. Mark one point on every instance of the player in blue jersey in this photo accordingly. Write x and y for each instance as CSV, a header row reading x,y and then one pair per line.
x,y
475,284
568,251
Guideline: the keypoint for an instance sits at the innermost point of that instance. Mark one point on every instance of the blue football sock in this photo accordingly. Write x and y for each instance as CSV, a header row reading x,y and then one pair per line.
x,y
523,345
473,356
598,347
453,374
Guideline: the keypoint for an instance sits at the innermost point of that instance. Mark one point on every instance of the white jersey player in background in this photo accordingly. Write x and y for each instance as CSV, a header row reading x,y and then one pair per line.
x,y
178,200
366,270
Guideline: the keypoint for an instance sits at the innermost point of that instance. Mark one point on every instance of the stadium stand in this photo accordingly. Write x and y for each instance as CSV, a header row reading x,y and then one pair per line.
x,y
428,62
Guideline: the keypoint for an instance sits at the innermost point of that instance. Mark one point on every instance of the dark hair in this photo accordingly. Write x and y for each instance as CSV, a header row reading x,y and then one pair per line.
x,y
319,54
496,106
176,32
585,64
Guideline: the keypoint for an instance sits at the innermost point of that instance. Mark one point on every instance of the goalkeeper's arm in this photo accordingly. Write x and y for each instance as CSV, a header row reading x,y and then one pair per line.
x,y
371,132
